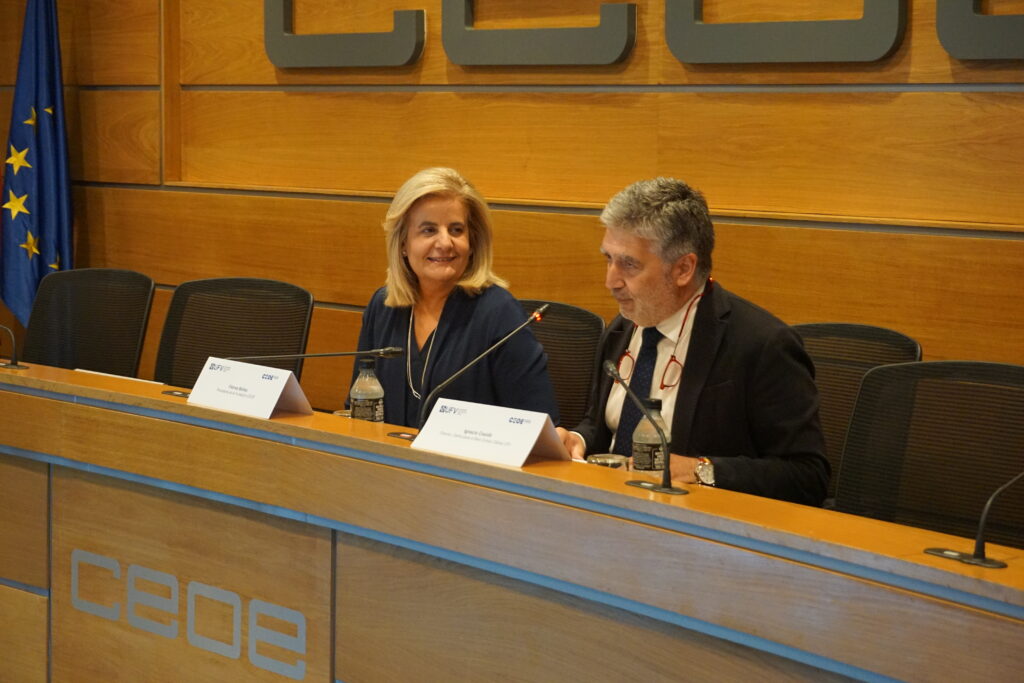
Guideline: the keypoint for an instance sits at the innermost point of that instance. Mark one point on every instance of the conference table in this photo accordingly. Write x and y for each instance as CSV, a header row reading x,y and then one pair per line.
x,y
146,539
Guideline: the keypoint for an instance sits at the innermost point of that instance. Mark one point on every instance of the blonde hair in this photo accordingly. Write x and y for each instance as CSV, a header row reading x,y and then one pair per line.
x,y
402,283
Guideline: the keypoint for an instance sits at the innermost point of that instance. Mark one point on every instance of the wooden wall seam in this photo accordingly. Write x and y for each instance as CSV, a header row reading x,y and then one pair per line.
x,y
170,109
946,228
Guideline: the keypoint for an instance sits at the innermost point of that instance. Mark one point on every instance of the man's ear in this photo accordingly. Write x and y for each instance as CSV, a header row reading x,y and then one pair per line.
x,y
685,269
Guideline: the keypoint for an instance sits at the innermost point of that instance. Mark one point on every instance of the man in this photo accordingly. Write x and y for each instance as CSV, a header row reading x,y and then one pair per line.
x,y
737,388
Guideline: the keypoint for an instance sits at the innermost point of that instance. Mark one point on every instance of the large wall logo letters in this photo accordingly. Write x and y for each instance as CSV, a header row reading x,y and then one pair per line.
x,y
867,39
964,31
401,46
609,42
136,597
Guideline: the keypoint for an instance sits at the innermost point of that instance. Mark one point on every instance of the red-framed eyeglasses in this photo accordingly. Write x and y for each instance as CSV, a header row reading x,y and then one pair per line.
x,y
673,372
669,378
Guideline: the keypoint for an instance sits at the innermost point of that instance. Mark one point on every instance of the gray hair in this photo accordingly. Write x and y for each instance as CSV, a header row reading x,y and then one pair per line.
x,y
669,213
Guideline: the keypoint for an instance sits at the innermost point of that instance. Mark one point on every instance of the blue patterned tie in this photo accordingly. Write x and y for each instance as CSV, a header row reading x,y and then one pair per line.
x,y
640,382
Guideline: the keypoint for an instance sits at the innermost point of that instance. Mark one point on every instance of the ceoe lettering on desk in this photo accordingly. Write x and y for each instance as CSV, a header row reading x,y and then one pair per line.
x,y
135,596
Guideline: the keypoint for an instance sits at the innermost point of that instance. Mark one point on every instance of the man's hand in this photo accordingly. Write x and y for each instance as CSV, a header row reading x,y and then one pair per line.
x,y
572,442
683,469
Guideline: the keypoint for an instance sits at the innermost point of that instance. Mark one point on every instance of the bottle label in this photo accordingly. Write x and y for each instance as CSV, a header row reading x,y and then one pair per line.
x,y
371,409
648,456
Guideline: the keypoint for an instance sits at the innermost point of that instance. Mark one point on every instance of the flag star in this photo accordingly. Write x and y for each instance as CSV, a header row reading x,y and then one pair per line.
x,y
16,204
32,119
49,110
56,264
17,159
31,245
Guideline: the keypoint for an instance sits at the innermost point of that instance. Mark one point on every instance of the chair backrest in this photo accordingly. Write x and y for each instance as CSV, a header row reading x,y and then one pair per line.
x,y
231,317
90,318
842,353
930,442
569,335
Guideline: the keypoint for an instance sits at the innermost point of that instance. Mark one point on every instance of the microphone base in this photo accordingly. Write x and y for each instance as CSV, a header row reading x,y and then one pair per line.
x,y
408,436
176,392
966,558
656,487
14,366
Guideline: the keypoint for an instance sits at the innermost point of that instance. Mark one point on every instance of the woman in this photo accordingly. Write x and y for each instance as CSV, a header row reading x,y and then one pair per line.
x,y
444,306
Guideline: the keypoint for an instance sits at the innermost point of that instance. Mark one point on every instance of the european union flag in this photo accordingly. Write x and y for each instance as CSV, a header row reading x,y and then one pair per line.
x,y
36,224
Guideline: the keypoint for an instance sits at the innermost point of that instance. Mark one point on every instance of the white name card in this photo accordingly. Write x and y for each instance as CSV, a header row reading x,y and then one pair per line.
x,y
247,389
492,434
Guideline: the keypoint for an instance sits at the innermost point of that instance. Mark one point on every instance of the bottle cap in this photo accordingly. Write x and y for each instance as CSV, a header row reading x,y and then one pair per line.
x,y
367,363
652,403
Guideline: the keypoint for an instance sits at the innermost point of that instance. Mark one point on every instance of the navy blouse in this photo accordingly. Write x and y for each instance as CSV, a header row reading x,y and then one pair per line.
x,y
513,376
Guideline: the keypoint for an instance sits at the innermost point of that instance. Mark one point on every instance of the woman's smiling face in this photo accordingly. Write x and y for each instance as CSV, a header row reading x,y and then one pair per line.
x,y
437,244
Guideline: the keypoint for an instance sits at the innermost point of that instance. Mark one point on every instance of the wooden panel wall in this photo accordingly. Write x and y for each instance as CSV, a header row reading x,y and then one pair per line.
x,y
207,58
23,636
13,13
103,42
119,132
387,594
884,193
25,523
89,515
6,100
818,153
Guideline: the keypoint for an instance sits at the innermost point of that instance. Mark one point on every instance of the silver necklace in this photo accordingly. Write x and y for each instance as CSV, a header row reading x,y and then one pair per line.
x,y
408,355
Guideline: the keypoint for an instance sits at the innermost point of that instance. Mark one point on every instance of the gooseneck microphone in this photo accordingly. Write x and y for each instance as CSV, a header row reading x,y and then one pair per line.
x,y
978,556
386,352
666,472
534,317
13,365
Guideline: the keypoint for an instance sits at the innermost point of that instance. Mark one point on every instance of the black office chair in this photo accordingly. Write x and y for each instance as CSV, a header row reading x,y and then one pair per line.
x,y
842,353
230,317
90,318
930,442
569,335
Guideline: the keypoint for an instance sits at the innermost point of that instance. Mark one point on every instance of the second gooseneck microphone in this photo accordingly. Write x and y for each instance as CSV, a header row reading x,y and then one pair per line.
x,y
978,556
535,316
666,473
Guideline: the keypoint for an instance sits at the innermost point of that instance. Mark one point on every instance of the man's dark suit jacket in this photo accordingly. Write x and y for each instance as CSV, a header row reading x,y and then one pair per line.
x,y
747,401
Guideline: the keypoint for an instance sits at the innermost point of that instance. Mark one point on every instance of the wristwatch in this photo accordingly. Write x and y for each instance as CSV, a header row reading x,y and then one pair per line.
x,y
705,472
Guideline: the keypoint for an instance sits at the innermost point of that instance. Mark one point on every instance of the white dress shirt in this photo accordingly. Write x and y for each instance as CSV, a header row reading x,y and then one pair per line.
x,y
675,340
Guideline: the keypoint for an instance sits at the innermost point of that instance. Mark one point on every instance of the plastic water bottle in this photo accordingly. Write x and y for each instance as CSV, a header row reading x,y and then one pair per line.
x,y
367,395
647,451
